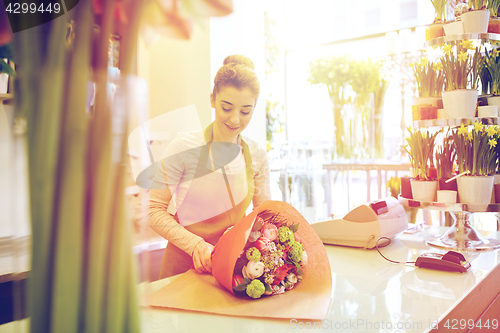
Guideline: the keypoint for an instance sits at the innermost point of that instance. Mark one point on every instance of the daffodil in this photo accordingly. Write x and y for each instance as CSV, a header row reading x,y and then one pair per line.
x,y
447,48
478,127
494,53
469,136
491,130
438,66
463,130
492,143
467,44
423,61
462,56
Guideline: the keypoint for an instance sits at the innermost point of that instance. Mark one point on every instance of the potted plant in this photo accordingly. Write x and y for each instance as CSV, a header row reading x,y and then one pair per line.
x,y
430,82
492,64
420,149
494,22
6,70
436,30
461,70
476,19
445,158
477,160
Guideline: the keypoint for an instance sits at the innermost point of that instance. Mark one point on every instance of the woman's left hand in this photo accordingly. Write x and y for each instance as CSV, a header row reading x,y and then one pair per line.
x,y
202,257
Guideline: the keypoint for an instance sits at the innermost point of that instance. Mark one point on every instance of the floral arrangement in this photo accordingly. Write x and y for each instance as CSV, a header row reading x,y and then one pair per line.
x,y
492,64
445,157
462,69
475,149
440,9
493,5
429,77
420,149
271,261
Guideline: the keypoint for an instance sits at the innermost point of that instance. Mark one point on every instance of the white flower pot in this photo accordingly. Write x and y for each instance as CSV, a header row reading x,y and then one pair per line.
x,y
494,100
4,83
453,28
460,103
447,196
487,111
424,190
433,101
476,21
475,189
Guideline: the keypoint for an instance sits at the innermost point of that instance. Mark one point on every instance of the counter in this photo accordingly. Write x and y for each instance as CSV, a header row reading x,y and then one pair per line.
x,y
370,294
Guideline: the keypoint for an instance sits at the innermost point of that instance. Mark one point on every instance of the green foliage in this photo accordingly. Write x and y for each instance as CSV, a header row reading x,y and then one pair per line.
x,y
462,70
420,149
440,9
478,4
429,77
492,64
445,157
6,54
493,5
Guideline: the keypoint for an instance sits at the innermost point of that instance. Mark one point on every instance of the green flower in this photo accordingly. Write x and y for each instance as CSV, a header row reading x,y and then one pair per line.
x,y
285,235
253,254
255,289
295,252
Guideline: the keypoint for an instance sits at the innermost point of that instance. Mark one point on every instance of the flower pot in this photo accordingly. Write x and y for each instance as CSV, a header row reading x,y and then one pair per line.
x,y
443,185
406,187
494,100
424,190
4,83
494,25
428,112
460,103
453,28
475,189
446,196
434,101
476,21
487,111
434,31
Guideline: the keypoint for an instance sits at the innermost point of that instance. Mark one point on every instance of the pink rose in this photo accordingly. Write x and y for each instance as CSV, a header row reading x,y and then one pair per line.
x,y
237,280
262,243
269,231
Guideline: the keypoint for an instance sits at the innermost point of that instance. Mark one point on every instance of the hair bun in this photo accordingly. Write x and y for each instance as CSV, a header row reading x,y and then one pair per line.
x,y
239,60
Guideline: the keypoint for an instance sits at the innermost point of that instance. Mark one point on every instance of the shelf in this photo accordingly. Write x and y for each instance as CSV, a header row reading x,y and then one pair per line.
x,y
460,37
455,122
446,207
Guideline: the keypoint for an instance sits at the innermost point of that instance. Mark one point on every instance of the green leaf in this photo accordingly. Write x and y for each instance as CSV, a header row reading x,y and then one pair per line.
x,y
242,286
294,227
268,287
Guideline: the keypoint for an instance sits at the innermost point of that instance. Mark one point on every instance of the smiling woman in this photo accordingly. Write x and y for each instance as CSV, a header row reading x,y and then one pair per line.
x,y
198,194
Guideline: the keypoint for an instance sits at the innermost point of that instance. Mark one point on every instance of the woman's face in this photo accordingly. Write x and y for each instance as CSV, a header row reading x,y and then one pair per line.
x,y
233,111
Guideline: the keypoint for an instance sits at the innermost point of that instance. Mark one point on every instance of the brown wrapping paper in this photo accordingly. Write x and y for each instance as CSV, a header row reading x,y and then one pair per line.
x,y
310,299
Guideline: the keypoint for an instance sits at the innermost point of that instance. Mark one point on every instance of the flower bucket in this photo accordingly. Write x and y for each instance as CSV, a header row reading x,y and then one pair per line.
x,y
460,103
424,190
453,28
433,31
494,100
475,189
476,21
487,111
446,196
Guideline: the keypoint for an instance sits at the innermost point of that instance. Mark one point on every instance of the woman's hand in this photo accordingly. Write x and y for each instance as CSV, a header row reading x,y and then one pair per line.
x,y
202,257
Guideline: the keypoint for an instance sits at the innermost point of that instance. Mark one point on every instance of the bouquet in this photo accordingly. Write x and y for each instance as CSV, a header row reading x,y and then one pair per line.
x,y
271,262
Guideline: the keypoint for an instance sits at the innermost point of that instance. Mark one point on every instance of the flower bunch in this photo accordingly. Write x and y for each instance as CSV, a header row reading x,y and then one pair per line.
x,y
440,9
462,67
271,262
429,77
475,149
492,64
445,157
420,149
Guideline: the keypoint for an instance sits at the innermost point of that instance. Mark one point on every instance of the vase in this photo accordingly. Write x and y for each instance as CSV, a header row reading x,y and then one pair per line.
x,y
460,103
494,25
424,190
453,28
476,21
475,189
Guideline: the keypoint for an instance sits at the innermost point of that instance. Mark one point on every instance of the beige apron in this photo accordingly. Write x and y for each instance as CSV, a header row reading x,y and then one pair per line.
x,y
206,191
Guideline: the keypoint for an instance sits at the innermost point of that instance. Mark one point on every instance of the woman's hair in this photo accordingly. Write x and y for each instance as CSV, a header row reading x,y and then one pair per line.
x,y
237,72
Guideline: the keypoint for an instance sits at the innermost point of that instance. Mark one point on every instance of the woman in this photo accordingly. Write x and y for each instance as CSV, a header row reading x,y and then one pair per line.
x,y
193,211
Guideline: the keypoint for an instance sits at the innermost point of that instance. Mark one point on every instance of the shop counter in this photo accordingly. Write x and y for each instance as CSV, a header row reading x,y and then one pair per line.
x,y
371,294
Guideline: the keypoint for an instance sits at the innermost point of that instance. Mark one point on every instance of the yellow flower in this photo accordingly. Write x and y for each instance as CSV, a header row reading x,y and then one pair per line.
x,y
462,56
478,127
423,61
467,44
491,130
438,66
463,130
494,53
447,48
492,143
469,136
